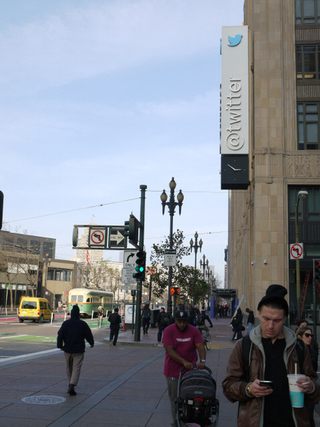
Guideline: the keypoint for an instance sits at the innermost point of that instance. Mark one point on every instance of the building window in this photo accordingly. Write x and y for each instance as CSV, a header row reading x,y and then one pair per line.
x,y
308,124
293,196
307,12
314,204
59,275
48,248
307,62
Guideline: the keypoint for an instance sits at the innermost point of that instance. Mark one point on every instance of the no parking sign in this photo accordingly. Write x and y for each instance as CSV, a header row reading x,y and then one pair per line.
x,y
296,251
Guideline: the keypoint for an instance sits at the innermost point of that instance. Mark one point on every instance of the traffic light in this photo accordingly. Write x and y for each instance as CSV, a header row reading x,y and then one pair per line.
x,y
316,270
175,290
140,266
131,229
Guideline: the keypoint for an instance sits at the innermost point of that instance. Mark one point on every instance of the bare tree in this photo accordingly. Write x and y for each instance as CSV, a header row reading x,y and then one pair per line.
x,y
99,275
9,266
29,265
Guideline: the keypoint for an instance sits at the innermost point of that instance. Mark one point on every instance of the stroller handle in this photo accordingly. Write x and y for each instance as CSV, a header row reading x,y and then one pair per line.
x,y
195,368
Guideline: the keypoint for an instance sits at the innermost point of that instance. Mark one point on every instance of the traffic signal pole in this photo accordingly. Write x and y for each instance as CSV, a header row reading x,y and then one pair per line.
x,y
139,281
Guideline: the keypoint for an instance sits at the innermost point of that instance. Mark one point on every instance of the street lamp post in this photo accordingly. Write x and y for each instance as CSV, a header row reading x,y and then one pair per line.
x,y
171,204
195,246
204,264
301,195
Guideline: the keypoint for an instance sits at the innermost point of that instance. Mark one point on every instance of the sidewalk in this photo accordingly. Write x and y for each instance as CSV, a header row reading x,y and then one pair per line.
x,y
119,386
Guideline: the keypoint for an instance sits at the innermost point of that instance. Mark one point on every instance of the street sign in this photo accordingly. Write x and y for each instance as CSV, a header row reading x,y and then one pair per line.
x,y
170,258
100,237
127,275
296,251
129,259
117,237
127,287
97,237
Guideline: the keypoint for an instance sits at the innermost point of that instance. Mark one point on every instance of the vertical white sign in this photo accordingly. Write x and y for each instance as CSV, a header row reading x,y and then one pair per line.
x,y
235,91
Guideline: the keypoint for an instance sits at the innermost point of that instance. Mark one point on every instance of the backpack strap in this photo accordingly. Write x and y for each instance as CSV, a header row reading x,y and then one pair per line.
x,y
246,356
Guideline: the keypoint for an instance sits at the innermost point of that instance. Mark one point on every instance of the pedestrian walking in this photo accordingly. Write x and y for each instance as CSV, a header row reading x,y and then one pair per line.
x,y
71,339
272,354
305,334
115,320
146,315
100,315
237,325
182,342
250,322
163,321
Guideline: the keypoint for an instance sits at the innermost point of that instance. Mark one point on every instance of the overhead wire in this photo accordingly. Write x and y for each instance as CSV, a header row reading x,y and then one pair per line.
x,y
99,206
72,210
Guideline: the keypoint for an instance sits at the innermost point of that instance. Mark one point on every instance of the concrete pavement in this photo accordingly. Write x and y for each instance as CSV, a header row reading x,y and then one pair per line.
x,y
119,386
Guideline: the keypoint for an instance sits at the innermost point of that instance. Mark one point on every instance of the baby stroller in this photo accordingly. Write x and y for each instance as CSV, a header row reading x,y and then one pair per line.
x,y
196,399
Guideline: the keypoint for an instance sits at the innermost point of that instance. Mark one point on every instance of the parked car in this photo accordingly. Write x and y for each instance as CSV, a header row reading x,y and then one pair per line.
x,y
36,309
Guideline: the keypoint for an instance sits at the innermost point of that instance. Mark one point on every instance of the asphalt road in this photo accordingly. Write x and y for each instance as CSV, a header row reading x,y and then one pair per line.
x,y
18,339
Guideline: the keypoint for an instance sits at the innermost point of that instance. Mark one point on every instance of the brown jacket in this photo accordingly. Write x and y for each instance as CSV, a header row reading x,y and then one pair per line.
x,y
251,409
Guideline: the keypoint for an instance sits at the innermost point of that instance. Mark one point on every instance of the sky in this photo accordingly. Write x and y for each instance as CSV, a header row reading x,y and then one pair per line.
x,y
100,96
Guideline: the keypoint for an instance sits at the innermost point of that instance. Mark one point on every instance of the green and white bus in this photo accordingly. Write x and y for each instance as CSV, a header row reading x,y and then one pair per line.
x,y
88,301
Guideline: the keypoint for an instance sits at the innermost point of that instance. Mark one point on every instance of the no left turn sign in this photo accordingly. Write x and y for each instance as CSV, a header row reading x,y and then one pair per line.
x,y
296,251
97,237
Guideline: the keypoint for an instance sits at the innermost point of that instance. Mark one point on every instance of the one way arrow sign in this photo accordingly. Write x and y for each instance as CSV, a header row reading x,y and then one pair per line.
x,y
117,238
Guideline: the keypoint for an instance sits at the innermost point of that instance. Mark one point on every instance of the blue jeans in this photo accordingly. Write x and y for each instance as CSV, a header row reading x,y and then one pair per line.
x,y
249,327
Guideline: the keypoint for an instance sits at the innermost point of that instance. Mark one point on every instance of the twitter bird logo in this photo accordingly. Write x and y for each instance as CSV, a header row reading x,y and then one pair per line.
x,y
234,41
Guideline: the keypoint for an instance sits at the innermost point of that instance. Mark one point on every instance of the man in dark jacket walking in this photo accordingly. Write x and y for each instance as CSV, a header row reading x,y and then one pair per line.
x,y
71,340
115,321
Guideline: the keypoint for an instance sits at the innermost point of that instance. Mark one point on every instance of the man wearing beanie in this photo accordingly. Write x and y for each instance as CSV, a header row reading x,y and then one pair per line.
x,y
71,339
273,353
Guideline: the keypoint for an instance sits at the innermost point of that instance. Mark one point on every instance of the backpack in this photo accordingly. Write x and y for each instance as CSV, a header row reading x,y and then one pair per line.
x,y
146,314
200,320
165,319
247,350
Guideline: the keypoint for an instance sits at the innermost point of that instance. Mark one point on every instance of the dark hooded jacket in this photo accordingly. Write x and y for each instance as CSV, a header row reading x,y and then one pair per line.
x,y
73,333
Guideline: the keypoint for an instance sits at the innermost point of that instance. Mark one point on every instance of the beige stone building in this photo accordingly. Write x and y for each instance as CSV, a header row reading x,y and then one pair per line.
x,y
284,156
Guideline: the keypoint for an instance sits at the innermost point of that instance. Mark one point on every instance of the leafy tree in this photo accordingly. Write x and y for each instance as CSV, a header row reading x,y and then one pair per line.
x,y
192,284
184,276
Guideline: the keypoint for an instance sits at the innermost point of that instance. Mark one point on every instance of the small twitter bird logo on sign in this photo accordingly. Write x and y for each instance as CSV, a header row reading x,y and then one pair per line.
x,y
234,41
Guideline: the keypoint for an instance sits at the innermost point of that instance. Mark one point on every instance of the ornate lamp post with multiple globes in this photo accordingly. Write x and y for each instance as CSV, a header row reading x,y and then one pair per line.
x,y
171,204
204,264
195,246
